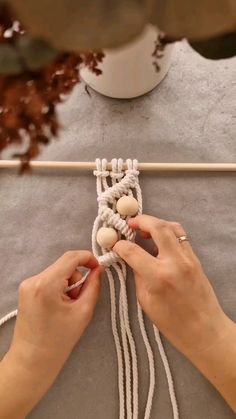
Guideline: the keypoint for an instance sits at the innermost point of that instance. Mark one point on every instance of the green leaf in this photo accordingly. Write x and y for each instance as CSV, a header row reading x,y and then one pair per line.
x,y
35,53
217,48
9,60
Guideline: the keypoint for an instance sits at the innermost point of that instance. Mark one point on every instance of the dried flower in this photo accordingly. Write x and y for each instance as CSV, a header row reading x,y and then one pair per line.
x,y
160,45
28,100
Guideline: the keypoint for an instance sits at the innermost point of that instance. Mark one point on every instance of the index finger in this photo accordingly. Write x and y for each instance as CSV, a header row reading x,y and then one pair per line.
x,y
137,258
65,266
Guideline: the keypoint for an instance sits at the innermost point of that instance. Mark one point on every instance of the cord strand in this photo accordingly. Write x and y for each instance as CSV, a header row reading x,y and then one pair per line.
x,y
150,356
169,378
8,317
123,183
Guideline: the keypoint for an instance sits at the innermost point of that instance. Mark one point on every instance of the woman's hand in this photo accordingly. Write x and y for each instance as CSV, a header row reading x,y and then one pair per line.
x,y
49,324
49,321
177,296
172,287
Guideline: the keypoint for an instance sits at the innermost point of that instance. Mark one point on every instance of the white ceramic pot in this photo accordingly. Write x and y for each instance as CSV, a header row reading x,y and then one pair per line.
x,y
129,72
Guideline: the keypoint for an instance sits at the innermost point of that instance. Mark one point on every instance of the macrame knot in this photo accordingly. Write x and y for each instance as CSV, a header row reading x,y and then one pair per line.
x,y
108,259
101,171
132,167
108,216
122,183
117,169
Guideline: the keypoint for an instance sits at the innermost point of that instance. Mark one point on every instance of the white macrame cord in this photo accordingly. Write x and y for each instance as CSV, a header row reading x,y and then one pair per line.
x,y
112,185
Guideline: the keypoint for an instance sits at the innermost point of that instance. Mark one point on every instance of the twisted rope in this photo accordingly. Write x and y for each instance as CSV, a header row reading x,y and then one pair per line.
x,y
126,184
129,350
7,317
148,347
122,183
116,176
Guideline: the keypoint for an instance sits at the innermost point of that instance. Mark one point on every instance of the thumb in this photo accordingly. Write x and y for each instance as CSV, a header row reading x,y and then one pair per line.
x,y
90,291
137,258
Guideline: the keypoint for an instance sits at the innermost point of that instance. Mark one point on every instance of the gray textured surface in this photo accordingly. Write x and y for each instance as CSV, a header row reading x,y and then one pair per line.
x,y
190,117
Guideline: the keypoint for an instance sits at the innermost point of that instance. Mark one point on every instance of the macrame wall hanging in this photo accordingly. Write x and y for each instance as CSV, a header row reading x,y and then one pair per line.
x,y
119,197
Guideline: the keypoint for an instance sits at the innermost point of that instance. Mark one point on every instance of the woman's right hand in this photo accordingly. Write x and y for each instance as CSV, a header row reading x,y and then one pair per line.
x,y
172,287
177,296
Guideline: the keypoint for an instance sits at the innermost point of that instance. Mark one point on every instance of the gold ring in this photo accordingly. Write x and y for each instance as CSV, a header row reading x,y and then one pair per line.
x,y
182,239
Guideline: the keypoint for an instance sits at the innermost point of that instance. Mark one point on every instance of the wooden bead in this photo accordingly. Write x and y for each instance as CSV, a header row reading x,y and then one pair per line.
x,y
127,205
107,237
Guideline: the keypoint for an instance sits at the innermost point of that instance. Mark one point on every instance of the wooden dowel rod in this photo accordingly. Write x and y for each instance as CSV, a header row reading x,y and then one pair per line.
x,y
144,167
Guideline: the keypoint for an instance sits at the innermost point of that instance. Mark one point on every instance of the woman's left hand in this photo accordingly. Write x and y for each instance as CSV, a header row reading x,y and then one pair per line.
x,y
49,324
